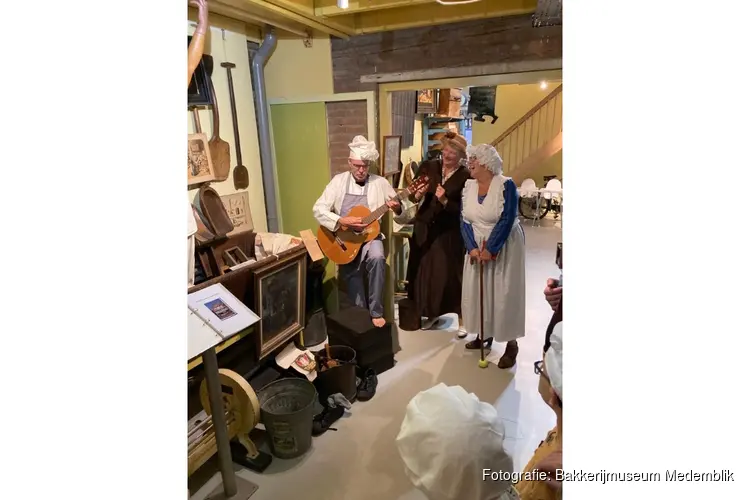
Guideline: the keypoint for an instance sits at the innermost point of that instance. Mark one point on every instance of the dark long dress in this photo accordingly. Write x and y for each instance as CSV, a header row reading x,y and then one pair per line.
x,y
436,249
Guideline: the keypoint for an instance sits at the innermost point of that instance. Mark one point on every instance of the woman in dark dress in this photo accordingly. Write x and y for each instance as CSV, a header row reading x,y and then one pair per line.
x,y
436,248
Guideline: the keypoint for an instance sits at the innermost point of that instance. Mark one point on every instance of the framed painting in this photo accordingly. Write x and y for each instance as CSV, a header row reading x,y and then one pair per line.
x,y
199,90
280,302
391,155
199,166
427,101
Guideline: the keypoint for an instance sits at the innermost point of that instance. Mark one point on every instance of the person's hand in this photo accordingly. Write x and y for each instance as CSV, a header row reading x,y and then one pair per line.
x,y
440,192
352,222
553,293
550,465
485,256
394,203
474,255
202,7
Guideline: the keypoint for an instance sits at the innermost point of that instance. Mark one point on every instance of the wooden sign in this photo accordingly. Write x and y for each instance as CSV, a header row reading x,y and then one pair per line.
x,y
237,206
482,102
311,243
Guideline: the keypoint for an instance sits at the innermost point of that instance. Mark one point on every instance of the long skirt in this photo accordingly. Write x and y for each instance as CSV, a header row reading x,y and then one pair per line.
x,y
504,292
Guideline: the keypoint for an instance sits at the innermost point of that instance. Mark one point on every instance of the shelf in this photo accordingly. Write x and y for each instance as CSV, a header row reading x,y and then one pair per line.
x,y
443,119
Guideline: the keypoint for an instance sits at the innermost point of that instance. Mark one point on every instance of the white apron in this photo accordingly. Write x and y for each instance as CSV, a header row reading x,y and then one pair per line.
x,y
504,278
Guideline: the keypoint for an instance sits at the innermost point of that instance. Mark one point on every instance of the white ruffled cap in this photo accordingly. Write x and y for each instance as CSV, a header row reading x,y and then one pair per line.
x,y
553,360
362,149
488,156
446,440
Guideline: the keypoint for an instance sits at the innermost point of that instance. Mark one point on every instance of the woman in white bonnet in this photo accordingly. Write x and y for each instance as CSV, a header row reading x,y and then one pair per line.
x,y
492,234
447,438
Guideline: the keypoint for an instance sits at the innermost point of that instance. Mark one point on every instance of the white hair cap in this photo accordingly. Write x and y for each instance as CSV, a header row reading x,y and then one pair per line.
x,y
488,156
553,360
362,149
446,440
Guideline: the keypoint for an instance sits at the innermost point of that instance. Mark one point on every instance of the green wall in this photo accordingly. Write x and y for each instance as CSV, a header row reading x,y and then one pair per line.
x,y
300,136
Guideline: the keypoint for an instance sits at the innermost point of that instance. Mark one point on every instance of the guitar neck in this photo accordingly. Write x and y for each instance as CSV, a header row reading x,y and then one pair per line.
x,y
378,213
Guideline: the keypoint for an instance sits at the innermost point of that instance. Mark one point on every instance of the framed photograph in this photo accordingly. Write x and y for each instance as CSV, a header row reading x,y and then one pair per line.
x,y
199,90
237,206
280,302
220,309
199,166
427,101
391,155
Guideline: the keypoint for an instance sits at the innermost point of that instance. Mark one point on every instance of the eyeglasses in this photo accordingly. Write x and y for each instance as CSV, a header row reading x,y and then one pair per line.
x,y
539,369
359,167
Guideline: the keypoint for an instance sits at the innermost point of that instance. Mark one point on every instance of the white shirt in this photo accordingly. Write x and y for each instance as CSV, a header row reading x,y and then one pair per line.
x,y
328,207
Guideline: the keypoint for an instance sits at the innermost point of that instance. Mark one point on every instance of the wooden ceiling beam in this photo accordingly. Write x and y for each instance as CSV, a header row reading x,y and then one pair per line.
x,y
253,18
329,8
428,15
273,11
303,11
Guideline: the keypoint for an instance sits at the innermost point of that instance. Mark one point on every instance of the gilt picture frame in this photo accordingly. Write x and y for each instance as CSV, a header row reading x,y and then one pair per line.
x,y
427,101
280,302
391,155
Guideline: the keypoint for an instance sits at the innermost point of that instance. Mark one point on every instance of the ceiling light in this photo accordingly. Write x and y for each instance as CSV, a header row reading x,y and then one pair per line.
x,y
543,85
456,2
343,4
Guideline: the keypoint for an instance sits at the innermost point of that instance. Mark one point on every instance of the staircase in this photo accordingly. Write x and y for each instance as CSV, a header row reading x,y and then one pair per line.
x,y
534,138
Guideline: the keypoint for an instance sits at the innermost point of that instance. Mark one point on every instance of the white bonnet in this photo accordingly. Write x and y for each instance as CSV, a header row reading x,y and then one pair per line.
x,y
553,360
447,438
488,156
362,149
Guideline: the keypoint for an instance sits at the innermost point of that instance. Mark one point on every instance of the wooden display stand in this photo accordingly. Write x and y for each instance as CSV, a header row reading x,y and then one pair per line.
x,y
245,283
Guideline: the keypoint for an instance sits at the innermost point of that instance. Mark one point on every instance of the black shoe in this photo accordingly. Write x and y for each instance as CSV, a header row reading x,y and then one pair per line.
x,y
367,386
324,420
474,344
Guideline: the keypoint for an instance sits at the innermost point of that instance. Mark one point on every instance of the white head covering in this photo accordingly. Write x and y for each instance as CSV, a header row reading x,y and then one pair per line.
x,y
487,156
362,149
446,440
553,360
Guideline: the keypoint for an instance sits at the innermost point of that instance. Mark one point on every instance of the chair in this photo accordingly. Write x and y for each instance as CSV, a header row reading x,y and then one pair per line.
x,y
528,188
552,189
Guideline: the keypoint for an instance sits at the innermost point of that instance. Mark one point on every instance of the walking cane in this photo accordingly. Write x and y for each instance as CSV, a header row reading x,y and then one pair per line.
x,y
483,363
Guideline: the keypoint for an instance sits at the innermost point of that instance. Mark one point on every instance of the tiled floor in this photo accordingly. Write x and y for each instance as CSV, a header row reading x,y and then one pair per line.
x,y
360,461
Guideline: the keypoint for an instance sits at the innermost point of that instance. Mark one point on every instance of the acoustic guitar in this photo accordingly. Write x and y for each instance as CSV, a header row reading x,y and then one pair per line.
x,y
342,245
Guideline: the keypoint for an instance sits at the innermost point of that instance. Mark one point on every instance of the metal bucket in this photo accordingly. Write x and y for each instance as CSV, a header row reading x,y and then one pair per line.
x,y
339,379
287,410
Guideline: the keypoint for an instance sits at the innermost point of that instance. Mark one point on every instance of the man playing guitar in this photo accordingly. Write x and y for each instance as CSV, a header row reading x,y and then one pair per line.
x,y
346,191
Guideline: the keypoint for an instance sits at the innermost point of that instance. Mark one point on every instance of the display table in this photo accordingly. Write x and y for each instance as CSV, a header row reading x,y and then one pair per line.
x,y
232,487
275,289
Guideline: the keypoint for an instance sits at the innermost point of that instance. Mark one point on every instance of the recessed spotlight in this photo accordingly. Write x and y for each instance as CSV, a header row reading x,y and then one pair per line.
x,y
543,85
456,2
